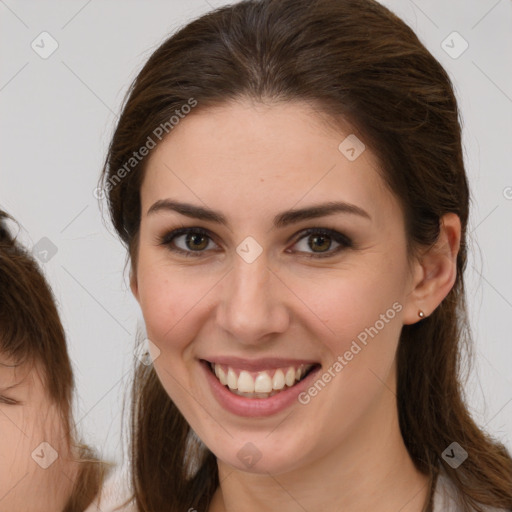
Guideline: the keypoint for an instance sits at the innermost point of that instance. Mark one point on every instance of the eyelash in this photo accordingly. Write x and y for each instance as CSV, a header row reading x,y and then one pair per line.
x,y
7,401
337,237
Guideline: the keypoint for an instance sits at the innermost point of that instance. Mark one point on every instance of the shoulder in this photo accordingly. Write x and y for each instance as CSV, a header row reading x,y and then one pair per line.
x,y
445,497
115,495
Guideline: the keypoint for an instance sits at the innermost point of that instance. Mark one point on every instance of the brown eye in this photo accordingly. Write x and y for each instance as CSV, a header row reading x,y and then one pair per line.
x,y
319,243
188,241
196,242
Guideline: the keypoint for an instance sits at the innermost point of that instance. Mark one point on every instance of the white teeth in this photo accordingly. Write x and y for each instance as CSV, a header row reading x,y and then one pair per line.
x,y
254,395
221,375
290,377
245,382
232,379
278,380
262,385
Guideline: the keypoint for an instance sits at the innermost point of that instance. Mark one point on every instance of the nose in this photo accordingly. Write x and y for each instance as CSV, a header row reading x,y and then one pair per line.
x,y
253,305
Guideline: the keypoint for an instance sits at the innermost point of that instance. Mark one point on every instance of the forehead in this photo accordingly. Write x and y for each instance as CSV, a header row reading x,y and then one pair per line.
x,y
268,156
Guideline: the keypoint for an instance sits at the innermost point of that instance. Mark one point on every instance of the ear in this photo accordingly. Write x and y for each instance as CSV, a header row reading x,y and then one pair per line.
x,y
134,285
434,271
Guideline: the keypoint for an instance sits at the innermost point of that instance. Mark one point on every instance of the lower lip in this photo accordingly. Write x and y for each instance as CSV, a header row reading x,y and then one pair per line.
x,y
252,407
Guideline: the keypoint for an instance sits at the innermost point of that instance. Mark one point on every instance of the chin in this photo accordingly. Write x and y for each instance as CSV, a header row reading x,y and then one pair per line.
x,y
263,457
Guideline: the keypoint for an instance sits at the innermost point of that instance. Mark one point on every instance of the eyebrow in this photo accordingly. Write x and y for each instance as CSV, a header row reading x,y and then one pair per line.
x,y
281,220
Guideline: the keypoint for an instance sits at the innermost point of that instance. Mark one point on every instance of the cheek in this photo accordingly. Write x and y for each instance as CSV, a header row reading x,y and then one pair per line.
x,y
20,475
357,305
170,299
14,451
162,299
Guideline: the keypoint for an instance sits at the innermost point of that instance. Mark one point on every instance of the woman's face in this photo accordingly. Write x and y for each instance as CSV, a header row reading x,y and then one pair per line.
x,y
268,283
35,472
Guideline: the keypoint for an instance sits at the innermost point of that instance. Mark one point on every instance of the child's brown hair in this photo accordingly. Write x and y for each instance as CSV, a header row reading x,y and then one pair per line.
x,y
31,332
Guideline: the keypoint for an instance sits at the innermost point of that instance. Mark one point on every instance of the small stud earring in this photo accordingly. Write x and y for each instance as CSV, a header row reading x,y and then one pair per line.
x,y
421,314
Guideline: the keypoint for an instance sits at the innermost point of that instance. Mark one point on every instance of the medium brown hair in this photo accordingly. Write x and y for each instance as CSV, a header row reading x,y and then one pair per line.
x,y
31,332
358,64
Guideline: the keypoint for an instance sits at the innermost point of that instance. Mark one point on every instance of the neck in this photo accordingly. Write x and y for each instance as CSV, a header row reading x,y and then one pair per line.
x,y
371,470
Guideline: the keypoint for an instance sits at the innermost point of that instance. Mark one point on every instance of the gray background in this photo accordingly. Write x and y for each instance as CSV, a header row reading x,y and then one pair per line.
x,y
58,113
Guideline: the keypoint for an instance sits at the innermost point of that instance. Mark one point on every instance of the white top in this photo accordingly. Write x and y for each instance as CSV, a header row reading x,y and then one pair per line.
x,y
116,492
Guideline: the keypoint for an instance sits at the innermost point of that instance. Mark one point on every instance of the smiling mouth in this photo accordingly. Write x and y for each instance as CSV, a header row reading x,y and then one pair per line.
x,y
260,384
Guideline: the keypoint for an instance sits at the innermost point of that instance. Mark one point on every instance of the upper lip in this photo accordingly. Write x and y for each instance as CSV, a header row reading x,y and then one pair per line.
x,y
265,363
